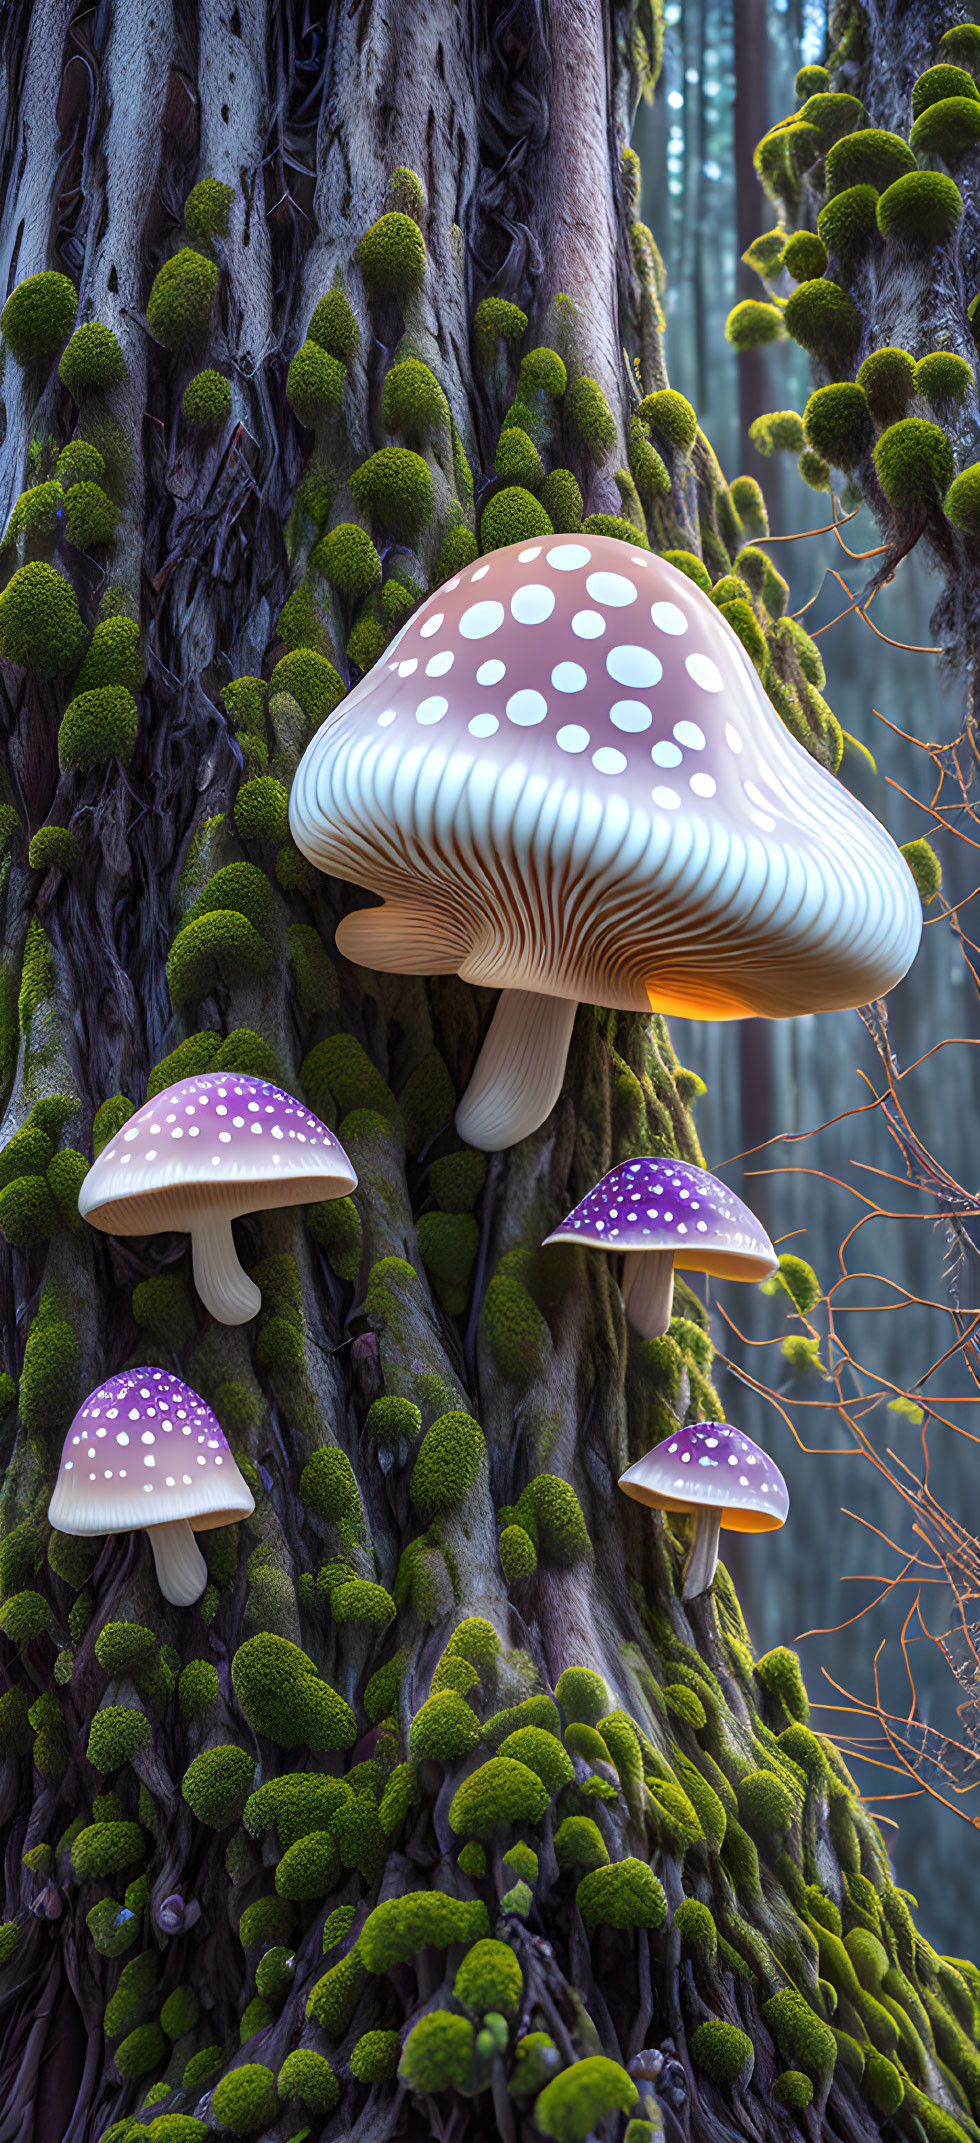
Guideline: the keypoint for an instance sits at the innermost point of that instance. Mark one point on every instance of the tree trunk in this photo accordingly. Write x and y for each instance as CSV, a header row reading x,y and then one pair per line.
x,y
119,1973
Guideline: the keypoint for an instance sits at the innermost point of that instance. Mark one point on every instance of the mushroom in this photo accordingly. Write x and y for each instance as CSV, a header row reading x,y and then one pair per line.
x,y
171,1474
566,782
722,1478
199,1155
173,1917
662,1214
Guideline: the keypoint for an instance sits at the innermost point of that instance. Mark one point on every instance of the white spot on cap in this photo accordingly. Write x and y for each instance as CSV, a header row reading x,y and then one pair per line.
x,y
666,799
703,784
588,625
480,574
572,738
431,710
668,618
689,733
405,669
612,589
704,672
732,738
630,715
484,725
524,558
438,665
386,717
480,620
568,557
431,624
635,666
609,761
490,673
569,677
666,754
526,708
532,605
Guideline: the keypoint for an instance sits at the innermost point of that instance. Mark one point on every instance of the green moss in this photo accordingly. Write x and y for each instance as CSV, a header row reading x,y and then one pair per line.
x,y
374,2058
37,317
79,462
498,1793
517,460
206,210
311,680
178,310
943,378
396,1931
53,848
245,2100
262,810
27,1214
336,1225
24,1617
589,414
282,1696
412,401
218,1783
550,1511
473,1861
391,257
765,1805
118,1732
239,887
458,1178
793,2090
723,2054
97,726
309,1868
348,559
582,1695
89,517
37,515
180,2011
752,323
489,1978
447,1465
40,626
542,1753
572,2105
49,1381
314,385
496,321
561,499
923,207
202,2068
437,2052
914,461
579,1843
360,1601
624,1894
219,950
457,550
922,860
307,2079
825,322
294,1804
847,223
142,2051
868,157
206,400
613,524
198,1688
443,1729
684,1704
395,486
110,440
101,1849
779,1671
513,515
802,2041
671,415
804,256
518,1555
328,1488
949,128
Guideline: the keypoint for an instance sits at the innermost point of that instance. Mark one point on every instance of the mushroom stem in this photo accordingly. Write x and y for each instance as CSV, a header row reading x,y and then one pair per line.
x,y
224,1288
648,1290
703,1559
519,1071
182,1572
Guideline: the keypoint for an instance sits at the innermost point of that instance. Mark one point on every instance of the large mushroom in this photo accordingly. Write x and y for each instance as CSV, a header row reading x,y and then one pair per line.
x,y
199,1155
146,1454
661,1214
567,782
720,1478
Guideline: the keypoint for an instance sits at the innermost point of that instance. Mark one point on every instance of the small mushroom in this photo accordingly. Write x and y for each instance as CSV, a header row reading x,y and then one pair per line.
x,y
198,1156
173,1917
48,1904
566,781
721,1478
663,1214
146,1454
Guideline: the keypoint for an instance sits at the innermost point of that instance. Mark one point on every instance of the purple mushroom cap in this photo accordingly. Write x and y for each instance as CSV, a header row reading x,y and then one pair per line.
x,y
664,1205
712,1466
145,1450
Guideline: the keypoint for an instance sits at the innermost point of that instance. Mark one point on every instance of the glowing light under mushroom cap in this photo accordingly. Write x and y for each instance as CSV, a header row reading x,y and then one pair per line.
x,y
145,1450
711,1465
565,776
654,1205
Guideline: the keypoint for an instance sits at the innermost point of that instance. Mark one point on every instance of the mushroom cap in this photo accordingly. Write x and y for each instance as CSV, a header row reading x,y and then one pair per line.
x,y
564,775
648,1204
168,1455
220,1140
712,1466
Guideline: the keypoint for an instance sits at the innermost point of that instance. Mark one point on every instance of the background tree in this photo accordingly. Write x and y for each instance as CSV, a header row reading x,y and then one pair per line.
x,y
304,308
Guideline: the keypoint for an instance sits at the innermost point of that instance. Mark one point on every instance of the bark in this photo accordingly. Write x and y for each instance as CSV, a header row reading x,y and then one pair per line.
x,y
514,117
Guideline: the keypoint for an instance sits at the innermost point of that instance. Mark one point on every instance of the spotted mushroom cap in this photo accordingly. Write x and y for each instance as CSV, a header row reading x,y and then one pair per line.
x,y
668,1205
564,775
144,1450
219,1139
707,1465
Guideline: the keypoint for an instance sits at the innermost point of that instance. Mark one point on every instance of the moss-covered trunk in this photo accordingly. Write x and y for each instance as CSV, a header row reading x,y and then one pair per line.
x,y
431,1412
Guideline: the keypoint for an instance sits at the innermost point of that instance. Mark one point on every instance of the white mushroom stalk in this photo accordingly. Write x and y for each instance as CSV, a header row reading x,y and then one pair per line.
x,y
648,1292
146,1454
200,1155
566,782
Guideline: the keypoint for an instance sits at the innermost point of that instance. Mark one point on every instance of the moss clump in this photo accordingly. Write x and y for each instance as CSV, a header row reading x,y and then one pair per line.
x,y
198,1688
311,679
375,2057
868,157
489,1978
781,1676
24,1617
589,414
142,2051
802,2041
517,459
113,656
437,2052
294,1804
723,2054
847,223
572,2105
349,561
96,727
499,1793
579,1843
780,431
262,810
513,515
804,255
561,500
217,1785
671,415
943,378
309,1868
443,1729
37,317
412,400
949,128
314,384
40,626
825,322
914,461
117,1733
282,1696
245,2100
101,1849
626,1893
219,950
395,485
391,257
696,1927
36,516
334,326
447,1465
241,888
922,860
206,400
180,2012
458,1179
79,463
583,1695
90,517
206,210
336,1226
178,310
307,2079
360,1601
543,1754
550,1511
518,1555
922,208
396,1931
328,1488
752,323
496,321
49,1382
92,363
766,1806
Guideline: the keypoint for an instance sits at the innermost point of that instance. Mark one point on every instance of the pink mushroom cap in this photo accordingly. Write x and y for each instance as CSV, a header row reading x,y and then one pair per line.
x,y
711,1466
144,1450
656,1205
